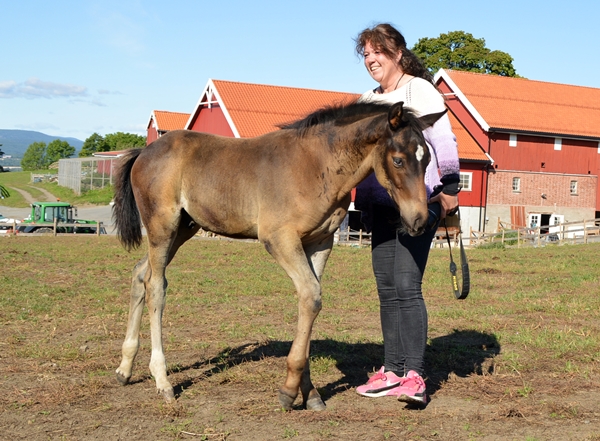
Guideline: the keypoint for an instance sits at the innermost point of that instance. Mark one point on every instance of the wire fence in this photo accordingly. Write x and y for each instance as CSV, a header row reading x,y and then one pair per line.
x,y
84,174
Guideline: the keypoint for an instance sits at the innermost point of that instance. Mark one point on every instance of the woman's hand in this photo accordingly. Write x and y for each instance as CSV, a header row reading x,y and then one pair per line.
x,y
448,202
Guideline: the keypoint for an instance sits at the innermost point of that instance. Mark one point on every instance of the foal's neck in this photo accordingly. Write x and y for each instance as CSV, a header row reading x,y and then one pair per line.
x,y
358,150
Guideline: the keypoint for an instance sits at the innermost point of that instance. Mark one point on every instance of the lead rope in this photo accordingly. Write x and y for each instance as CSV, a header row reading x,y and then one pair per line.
x,y
460,294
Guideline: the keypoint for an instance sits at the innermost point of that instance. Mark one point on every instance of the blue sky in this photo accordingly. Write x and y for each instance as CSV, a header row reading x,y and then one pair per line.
x,y
72,68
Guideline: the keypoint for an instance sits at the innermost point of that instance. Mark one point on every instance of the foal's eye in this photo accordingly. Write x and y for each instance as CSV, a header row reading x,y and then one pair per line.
x,y
398,162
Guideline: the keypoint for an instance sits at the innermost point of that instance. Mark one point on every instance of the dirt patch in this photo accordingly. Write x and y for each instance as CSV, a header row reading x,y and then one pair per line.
x,y
49,197
28,198
228,325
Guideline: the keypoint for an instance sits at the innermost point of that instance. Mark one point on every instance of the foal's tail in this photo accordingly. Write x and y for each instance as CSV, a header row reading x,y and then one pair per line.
x,y
125,212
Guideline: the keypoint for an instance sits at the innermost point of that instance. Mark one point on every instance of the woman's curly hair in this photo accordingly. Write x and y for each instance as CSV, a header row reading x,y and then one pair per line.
x,y
390,41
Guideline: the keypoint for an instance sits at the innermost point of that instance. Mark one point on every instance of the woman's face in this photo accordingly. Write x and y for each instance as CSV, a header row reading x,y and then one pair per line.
x,y
380,67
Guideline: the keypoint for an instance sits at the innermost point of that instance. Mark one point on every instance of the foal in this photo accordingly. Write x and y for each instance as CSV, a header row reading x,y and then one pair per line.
x,y
290,189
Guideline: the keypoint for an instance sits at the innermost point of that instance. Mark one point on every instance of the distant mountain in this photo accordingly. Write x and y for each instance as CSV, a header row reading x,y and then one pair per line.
x,y
16,142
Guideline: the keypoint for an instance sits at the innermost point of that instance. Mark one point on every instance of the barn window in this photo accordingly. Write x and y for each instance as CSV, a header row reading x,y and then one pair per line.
x,y
557,143
573,187
598,146
512,140
516,185
466,179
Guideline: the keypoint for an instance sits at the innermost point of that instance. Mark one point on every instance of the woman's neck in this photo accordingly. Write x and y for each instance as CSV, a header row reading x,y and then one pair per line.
x,y
394,83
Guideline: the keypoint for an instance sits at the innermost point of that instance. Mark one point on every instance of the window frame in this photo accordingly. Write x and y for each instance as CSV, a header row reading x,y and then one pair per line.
x,y
469,179
574,189
517,180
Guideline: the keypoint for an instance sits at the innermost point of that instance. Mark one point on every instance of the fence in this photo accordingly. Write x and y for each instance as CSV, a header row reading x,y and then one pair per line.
x,y
57,229
352,237
580,232
84,174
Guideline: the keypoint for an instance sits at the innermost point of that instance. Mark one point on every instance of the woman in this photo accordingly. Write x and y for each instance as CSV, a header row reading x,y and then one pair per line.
x,y
398,259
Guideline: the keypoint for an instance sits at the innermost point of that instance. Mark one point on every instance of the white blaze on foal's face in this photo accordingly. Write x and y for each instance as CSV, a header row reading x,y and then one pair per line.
x,y
420,153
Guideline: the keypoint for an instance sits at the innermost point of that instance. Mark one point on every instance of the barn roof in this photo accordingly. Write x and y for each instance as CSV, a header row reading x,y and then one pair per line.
x,y
520,105
256,109
468,149
165,121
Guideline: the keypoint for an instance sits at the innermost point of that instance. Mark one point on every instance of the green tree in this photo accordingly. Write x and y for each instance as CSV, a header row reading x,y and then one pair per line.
x,y
459,50
94,143
58,149
122,141
34,157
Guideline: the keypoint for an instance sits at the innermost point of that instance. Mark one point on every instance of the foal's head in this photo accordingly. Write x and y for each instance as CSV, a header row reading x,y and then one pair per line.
x,y
401,162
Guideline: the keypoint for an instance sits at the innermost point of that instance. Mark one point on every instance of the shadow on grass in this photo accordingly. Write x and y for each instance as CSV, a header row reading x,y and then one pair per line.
x,y
461,352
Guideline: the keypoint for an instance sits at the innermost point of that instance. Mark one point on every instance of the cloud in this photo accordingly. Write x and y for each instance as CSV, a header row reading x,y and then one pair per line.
x,y
37,127
36,88
109,92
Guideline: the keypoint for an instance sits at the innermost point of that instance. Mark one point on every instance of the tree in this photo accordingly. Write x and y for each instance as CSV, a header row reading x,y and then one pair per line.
x,y
34,157
94,143
58,149
459,50
122,141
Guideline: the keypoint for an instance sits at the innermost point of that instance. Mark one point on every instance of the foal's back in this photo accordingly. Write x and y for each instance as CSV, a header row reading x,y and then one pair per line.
x,y
234,186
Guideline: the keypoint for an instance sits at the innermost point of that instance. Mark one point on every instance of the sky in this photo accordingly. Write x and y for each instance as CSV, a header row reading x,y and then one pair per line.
x,y
74,68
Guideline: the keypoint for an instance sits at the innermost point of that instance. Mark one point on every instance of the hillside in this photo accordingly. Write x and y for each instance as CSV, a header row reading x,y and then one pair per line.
x,y
16,142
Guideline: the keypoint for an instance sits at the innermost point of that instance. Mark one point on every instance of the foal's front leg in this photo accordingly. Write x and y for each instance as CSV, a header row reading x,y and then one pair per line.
x,y
131,343
287,249
317,254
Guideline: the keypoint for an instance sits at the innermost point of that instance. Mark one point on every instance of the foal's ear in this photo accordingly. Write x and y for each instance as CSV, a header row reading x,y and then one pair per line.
x,y
429,120
395,116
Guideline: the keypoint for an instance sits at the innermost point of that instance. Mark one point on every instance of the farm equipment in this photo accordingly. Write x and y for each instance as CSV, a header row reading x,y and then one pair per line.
x,y
46,216
7,225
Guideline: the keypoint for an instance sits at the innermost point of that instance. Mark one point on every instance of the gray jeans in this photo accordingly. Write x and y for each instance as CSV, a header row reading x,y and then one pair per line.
x,y
399,262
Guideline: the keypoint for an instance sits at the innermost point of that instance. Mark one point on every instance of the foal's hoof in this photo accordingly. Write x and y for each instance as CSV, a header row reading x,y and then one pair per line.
x,y
285,400
315,403
122,378
168,394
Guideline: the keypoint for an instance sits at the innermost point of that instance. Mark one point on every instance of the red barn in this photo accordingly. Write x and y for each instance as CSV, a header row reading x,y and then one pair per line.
x,y
544,139
162,122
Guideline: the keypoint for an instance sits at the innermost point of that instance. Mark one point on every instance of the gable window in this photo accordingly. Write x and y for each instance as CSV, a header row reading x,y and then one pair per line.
x,y
557,143
516,185
512,140
573,187
466,181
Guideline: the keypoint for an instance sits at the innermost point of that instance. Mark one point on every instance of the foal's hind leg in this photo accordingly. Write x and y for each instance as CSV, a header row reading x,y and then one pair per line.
x,y
136,307
163,243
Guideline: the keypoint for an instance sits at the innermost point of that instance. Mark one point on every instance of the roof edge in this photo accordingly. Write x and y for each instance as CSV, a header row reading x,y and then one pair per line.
x,y
211,88
462,98
150,120
546,134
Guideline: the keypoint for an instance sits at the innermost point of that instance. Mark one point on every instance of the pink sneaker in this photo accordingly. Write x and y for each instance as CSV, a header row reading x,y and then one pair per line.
x,y
412,389
380,384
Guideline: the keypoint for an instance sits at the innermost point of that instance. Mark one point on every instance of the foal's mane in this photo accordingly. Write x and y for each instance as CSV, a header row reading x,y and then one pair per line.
x,y
339,115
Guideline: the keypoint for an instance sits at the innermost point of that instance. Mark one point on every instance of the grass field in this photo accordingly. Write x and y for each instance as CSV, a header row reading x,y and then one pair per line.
x,y
22,180
519,359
